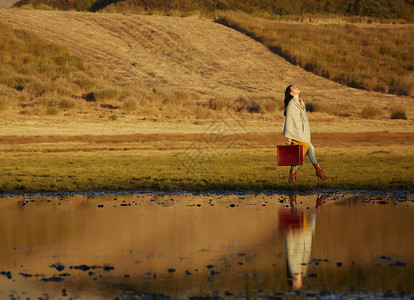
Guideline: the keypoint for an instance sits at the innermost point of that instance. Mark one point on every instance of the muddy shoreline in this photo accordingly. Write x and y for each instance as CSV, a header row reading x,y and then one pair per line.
x,y
396,194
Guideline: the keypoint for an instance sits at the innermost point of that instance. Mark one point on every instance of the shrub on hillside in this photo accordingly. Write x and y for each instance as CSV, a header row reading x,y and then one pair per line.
x,y
113,117
220,104
65,104
371,112
130,105
341,109
247,104
52,111
221,5
106,94
84,83
404,84
310,107
398,113
270,105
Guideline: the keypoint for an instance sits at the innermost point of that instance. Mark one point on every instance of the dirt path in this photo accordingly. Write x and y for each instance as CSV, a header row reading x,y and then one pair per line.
x,y
368,142
195,55
264,139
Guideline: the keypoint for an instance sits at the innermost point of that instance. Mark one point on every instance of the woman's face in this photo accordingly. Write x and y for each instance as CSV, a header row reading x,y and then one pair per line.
x,y
294,90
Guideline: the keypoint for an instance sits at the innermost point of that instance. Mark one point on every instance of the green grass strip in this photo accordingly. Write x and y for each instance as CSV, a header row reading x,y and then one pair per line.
x,y
169,171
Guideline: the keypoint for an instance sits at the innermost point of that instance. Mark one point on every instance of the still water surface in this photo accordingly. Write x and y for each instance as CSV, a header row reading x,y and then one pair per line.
x,y
184,245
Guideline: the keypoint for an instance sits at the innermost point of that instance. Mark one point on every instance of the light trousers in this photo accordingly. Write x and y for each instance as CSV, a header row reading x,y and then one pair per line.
x,y
311,154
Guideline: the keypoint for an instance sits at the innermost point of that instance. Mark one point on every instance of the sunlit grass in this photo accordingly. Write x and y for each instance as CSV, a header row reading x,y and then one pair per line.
x,y
376,57
30,64
42,78
38,78
37,74
178,170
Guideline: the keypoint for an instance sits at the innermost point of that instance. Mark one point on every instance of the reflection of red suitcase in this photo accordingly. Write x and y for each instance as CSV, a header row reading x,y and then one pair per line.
x,y
289,155
290,219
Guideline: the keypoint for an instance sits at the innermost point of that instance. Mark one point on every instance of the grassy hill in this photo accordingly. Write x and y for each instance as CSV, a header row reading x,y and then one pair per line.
x,y
372,57
373,8
378,58
154,66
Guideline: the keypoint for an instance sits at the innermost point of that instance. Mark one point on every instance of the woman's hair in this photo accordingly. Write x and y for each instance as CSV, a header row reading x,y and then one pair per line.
x,y
288,97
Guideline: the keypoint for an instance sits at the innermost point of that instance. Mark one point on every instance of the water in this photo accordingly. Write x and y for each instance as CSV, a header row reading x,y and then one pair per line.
x,y
184,245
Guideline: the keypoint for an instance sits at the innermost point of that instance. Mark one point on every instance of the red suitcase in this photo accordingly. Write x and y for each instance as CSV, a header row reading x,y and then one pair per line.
x,y
290,219
289,155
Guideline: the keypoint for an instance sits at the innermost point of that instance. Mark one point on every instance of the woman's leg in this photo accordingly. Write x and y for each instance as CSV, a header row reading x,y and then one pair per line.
x,y
293,169
311,154
292,174
312,157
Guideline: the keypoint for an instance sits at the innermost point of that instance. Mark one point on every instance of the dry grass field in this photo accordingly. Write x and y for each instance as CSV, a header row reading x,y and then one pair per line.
x,y
372,56
194,57
167,87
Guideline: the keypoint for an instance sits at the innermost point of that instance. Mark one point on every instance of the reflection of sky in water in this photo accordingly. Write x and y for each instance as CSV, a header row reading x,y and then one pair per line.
x,y
105,246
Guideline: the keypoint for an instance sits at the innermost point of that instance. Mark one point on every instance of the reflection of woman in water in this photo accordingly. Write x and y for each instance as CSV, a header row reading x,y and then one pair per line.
x,y
297,130
299,240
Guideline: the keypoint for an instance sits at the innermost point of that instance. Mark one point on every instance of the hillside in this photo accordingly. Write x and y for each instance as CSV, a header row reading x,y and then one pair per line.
x,y
373,8
373,57
186,60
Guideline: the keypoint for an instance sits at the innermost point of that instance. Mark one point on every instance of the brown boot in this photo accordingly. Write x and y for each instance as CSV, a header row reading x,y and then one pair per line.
x,y
293,200
320,200
319,172
292,175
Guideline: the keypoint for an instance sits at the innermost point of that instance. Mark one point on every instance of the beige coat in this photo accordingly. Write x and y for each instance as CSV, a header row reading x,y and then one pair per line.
x,y
296,122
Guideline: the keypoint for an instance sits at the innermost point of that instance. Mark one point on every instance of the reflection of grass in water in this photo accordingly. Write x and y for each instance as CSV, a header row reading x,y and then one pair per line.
x,y
160,170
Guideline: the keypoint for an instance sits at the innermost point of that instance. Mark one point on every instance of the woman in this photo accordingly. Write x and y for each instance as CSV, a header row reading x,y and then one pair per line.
x,y
297,130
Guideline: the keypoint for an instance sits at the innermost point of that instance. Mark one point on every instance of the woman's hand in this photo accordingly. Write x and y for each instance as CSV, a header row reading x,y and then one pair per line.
x,y
288,141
